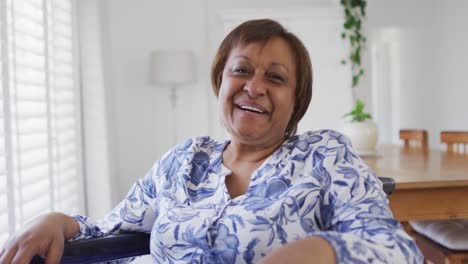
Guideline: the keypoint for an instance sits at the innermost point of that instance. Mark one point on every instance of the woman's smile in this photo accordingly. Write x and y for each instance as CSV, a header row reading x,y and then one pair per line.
x,y
251,110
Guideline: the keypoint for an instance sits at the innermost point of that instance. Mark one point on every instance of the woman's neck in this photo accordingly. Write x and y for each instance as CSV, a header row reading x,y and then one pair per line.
x,y
240,152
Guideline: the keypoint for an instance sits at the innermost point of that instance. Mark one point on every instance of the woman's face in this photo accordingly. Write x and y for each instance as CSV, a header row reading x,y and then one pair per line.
x,y
256,96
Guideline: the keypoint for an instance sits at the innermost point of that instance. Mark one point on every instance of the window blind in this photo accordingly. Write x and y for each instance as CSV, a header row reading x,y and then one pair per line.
x,y
40,153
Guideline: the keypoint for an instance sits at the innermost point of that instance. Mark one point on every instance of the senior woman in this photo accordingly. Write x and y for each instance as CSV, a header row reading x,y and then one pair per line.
x,y
266,195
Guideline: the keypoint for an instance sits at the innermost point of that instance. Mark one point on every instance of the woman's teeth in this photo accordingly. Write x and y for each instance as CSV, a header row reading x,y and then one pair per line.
x,y
250,108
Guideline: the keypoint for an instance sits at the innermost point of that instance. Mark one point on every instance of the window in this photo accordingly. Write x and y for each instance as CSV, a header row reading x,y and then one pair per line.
x,y
40,136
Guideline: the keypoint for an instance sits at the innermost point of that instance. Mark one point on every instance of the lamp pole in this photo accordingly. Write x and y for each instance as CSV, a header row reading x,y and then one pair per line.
x,y
172,68
173,99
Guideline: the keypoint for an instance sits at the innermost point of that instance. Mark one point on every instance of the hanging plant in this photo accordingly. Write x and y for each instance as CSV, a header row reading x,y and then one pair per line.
x,y
355,12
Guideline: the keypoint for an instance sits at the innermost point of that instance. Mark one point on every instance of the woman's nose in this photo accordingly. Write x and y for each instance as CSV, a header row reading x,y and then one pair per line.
x,y
255,87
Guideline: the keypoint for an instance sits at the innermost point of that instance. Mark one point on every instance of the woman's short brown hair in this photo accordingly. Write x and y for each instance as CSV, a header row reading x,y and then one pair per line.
x,y
262,31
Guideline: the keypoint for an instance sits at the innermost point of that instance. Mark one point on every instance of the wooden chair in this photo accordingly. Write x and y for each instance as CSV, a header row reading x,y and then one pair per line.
x,y
457,141
432,251
437,253
414,137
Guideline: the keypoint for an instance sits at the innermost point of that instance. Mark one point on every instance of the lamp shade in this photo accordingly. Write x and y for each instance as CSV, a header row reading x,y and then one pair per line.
x,y
172,67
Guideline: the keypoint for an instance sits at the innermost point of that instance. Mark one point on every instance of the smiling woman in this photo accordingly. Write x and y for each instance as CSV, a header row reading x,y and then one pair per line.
x,y
256,95
266,195
290,66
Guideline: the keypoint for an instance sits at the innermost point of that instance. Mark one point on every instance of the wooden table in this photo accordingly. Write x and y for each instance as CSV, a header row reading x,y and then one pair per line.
x,y
430,185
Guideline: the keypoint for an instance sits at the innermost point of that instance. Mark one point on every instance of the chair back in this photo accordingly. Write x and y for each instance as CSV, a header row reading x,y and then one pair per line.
x,y
414,137
456,141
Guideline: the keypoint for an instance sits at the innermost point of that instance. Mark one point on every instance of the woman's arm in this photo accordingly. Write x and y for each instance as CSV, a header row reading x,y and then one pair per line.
x,y
355,212
310,250
43,236
137,212
46,234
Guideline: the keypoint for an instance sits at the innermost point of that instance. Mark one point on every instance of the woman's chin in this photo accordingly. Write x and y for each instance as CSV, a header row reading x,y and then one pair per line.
x,y
250,135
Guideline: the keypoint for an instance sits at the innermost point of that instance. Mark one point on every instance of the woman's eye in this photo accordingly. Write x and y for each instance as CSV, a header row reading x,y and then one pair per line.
x,y
276,78
241,70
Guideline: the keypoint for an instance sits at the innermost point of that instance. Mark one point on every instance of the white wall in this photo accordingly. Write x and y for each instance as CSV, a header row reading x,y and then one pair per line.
x,y
99,185
142,112
433,37
449,102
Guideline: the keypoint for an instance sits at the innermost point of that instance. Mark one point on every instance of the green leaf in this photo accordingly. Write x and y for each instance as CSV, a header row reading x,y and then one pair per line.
x,y
358,114
347,12
358,24
347,24
354,81
359,105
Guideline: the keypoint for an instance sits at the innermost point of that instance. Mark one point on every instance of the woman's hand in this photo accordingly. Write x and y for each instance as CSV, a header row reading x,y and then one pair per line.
x,y
310,250
44,236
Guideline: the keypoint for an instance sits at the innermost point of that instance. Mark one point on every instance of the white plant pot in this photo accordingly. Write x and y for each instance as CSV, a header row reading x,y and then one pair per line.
x,y
363,135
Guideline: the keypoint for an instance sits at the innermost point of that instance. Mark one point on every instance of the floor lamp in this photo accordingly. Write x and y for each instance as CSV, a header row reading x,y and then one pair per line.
x,y
172,69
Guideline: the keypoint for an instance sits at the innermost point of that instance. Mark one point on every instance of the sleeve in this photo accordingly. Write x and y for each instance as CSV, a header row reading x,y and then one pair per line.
x,y
355,211
137,212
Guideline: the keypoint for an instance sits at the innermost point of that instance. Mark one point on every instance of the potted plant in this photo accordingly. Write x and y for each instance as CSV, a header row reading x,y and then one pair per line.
x,y
361,129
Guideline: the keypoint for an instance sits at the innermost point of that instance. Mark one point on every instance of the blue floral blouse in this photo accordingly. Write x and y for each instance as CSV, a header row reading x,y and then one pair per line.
x,y
312,185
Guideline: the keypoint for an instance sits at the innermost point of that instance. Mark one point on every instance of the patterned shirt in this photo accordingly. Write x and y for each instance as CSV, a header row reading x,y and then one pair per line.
x,y
314,184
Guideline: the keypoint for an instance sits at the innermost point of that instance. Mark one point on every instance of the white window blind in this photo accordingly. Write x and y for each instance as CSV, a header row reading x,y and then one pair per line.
x,y
40,152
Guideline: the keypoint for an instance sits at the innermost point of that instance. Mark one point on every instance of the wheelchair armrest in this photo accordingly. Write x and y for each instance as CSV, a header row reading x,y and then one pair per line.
x,y
388,184
102,249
